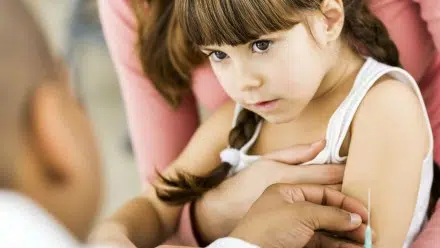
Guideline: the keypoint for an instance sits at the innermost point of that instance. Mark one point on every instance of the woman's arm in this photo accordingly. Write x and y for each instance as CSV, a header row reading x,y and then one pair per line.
x,y
159,133
430,11
146,220
409,31
390,140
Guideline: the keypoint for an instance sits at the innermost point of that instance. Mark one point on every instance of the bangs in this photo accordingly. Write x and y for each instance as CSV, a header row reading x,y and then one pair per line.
x,y
234,22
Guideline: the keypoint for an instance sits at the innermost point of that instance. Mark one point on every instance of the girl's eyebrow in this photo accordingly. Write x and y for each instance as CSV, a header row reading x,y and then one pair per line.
x,y
207,49
275,35
263,37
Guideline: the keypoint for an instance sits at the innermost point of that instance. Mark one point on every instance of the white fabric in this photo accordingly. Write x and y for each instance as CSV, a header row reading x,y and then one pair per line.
x,y
231,243
231,156
24,224
341,120
239,159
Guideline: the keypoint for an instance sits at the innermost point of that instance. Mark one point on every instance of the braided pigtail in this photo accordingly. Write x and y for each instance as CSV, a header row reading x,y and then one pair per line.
x,y
185,187
365,29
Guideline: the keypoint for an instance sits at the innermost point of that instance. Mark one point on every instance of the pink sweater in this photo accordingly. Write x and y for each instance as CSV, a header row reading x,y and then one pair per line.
x,y
159,133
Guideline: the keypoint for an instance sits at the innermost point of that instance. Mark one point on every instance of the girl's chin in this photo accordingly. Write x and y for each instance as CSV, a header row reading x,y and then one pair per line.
x,y
280,117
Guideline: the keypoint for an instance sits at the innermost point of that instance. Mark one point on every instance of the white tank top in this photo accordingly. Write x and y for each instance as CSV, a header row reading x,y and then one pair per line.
x,y
339,125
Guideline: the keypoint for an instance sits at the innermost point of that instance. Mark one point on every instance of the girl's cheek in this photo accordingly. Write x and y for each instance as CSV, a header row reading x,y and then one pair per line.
x,y
230,86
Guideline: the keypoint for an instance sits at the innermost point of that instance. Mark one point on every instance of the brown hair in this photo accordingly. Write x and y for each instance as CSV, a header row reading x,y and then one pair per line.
x,y
233,22
166,55
186,187
167,52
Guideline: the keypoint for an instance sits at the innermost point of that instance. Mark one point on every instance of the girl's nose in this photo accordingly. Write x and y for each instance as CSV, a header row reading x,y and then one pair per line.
x,y
250,83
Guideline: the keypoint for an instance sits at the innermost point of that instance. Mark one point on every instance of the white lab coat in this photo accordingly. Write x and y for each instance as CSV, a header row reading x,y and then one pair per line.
x,y
23,224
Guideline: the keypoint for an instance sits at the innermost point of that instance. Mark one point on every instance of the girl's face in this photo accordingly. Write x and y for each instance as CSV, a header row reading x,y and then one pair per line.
x,y
277,75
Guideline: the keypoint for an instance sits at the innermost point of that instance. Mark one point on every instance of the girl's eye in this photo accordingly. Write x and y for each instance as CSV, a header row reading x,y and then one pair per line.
x,y
218,56
261,46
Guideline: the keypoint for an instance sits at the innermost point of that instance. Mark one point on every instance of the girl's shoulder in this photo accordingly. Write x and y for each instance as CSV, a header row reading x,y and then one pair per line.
x,y
392,103
388,87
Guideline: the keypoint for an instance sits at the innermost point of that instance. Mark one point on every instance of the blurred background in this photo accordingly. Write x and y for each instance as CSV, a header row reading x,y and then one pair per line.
x,y
73,29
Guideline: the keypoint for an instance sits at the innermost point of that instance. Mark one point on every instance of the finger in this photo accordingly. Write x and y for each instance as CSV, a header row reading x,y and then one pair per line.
x,y
357,235
322,195
321,240
337,199
331,218
297,154
309,174
337,187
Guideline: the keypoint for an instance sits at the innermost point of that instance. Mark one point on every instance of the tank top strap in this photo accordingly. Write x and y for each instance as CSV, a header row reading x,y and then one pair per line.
x,y
341,120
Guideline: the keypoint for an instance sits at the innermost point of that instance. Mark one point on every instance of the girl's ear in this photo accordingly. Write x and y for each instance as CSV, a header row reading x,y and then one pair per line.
x,y
333,11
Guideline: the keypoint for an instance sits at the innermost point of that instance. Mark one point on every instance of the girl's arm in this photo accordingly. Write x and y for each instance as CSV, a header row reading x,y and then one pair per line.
x,y
389,142
146,220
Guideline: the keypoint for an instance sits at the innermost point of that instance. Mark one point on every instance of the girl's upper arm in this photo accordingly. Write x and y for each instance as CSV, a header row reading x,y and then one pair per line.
x,y
390,139
430,11
158,132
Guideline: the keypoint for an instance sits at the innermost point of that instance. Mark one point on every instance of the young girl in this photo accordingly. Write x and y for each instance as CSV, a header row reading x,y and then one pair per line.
x,y
295,69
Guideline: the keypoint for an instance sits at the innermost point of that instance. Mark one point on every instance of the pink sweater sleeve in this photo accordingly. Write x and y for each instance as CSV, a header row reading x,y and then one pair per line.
x,y
430,11
158,132
430,237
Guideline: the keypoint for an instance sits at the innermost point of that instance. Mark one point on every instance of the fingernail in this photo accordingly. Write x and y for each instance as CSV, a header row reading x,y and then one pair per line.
x,y
355,219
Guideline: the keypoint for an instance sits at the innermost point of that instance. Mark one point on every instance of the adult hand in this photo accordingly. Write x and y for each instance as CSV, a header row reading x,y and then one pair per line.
x,y
214,216
288,216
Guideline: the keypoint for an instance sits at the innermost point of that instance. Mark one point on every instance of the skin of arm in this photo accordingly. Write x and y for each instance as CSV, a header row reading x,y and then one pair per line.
x,y
390,139
147,220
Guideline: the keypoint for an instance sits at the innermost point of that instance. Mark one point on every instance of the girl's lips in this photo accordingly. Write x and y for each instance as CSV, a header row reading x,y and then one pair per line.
x,y
266,106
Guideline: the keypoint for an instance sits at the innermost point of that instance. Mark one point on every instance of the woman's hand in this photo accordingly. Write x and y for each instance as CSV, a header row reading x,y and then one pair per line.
x,y
286,215
219,210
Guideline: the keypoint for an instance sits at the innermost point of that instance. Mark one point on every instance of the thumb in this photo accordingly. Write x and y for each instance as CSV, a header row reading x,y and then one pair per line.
x,y
332,218
297,154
